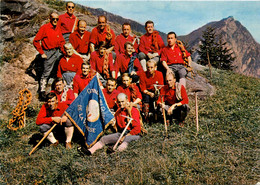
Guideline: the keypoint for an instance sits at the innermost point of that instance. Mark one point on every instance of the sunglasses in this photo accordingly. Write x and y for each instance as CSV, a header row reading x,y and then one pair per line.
x,y
71,7
55,19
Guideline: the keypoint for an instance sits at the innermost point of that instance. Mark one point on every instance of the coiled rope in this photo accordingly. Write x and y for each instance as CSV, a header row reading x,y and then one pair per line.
x,y
25,97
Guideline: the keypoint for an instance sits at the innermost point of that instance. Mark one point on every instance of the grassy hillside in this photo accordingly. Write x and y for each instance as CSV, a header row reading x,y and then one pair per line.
x,y
225,151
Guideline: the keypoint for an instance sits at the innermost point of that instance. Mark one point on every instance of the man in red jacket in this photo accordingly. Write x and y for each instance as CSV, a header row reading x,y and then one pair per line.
x,y
80,40
52,113
123,38
131,90
173,60
173,98
128,63
111,93
147,81
48,42
80,81
104,33
64,94
151,45
102,62
68,21
69,65
133,130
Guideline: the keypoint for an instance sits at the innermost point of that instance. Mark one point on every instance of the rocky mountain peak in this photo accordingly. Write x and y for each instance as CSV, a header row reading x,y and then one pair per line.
x,y
238,38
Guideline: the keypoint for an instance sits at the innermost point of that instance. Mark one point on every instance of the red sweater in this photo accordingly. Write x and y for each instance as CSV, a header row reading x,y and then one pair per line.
x,y
45,114
134,127
81,45
66,23
73,65
111,98
48,38
128,92
69,97
97,36
169,96
146,43
80,82
97,62
147,81
120,44
173,56
122,62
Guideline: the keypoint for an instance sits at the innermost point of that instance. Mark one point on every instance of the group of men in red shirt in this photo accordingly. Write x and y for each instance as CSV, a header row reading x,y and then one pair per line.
x,y
77,55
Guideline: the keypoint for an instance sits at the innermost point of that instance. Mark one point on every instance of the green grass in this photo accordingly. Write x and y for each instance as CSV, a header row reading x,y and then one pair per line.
x,y
224,151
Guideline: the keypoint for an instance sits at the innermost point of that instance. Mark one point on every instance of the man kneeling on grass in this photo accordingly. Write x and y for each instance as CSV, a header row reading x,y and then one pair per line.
x,y
52,113
173,98
132,133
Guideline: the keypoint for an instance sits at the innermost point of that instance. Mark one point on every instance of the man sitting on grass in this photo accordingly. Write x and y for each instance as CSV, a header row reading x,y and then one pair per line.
x,y
52,113
132,132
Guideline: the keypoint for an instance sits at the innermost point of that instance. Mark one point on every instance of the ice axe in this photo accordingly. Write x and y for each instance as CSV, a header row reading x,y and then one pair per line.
x,y
196,108
110,150
46,135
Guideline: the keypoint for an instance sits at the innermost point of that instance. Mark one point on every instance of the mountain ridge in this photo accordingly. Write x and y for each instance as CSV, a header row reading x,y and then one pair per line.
x,y
238,38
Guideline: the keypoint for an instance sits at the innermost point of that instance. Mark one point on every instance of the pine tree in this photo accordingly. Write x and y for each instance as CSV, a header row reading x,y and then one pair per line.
x,y
213,51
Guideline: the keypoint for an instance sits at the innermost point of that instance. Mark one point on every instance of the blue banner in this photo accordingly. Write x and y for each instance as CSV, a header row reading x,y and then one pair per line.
x,y
89,112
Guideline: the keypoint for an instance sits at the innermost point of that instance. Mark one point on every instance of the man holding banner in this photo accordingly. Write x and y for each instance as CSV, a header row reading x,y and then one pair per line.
x,y
125,113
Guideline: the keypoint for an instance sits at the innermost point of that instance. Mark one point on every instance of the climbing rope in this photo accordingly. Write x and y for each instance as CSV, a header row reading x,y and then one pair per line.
x,y
25,97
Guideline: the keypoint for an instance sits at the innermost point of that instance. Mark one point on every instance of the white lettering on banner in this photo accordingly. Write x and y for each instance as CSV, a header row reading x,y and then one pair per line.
x,y
81,117
79,107
91,129
89,91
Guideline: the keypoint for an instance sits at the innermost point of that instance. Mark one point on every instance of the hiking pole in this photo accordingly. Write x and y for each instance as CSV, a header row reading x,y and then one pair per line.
x,y
129,122
164,117
196,108
49,131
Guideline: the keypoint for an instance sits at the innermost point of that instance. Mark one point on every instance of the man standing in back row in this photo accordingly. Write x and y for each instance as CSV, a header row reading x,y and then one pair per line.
x,y
102,33
48,42
68,22
123,38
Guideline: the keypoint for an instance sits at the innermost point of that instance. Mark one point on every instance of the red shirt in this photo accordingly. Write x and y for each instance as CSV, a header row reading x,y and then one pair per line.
x,y
45,114
169,96
73,65
127,91
147,81
69,96
173,56
97,36
111,98
80,82
97,62
134,127
80,44
122,62
146,43
120,44
66,23
48,38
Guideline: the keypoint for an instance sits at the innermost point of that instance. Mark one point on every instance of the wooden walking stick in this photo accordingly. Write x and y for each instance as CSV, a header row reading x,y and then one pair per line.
x,y
197,108
49,131
164,119
129,122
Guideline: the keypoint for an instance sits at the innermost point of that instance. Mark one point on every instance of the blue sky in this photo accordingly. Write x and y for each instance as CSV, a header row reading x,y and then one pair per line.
x,y
183,16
